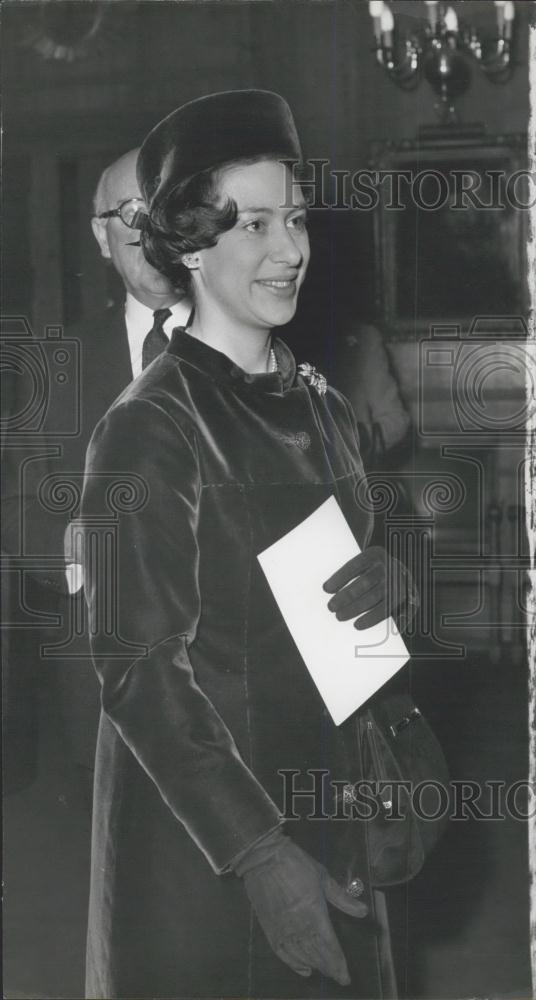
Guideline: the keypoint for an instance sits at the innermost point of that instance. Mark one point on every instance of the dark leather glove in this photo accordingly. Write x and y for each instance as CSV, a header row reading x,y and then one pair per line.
x,y
374,586
289,892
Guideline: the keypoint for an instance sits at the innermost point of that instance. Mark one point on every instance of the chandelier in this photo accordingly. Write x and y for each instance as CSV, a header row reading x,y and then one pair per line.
x,y
441,49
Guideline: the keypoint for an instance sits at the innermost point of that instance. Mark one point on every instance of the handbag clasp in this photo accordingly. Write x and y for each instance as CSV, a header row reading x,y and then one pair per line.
x,y
397,727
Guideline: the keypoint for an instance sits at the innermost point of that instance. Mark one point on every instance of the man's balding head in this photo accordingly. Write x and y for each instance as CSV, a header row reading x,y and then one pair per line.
x,y
119,177
120,244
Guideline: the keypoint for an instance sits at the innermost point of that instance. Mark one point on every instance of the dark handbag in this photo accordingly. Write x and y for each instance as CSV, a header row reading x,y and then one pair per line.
x,y
398,745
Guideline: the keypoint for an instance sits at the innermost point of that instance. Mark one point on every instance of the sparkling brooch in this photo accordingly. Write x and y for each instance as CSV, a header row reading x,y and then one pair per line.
x,y
314,378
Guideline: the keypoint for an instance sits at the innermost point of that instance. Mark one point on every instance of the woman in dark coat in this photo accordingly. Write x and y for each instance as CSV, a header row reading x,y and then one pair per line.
x,y
198,889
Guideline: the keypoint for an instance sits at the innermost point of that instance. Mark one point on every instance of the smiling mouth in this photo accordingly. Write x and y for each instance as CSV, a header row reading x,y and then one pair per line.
x,y
281,285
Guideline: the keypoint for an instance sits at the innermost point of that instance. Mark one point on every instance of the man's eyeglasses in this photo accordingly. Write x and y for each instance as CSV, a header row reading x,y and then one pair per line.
x,y
132,212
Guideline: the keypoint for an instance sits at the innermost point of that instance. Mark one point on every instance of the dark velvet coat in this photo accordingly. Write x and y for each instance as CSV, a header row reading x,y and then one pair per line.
x,y
204,694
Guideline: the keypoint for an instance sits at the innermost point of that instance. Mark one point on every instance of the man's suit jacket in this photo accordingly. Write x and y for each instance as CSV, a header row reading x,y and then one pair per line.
x,y
103,372
106,370
98,368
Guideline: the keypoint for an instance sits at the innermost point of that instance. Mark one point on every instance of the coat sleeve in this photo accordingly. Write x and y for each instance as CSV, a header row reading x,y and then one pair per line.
x,y
151,696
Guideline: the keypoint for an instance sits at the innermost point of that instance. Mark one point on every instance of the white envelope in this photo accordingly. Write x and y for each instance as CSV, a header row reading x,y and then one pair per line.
x,y
347,665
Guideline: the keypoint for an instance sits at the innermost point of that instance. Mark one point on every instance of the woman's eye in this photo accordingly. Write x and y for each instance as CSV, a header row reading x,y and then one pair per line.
x,y
298,222
254,226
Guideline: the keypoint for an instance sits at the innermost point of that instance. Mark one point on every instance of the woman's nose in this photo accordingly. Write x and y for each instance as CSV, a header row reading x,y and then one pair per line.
x,y
286,248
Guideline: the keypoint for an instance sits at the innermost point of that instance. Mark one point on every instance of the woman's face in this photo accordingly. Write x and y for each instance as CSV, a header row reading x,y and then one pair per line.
x,y
253,274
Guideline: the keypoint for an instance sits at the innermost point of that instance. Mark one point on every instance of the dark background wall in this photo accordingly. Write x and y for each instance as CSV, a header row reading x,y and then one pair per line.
x,y
63,122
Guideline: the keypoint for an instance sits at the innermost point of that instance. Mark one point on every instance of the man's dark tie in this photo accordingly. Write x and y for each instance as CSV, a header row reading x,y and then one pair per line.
x,y
156,340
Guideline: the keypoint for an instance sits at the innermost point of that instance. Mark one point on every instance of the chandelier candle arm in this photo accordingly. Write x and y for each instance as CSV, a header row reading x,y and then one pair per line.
x,y
376,11
441,48
451,20
387,26
499,10
509,14
433,17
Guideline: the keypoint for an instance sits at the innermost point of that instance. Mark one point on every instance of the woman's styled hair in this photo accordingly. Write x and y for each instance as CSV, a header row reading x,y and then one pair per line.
x,y
188,219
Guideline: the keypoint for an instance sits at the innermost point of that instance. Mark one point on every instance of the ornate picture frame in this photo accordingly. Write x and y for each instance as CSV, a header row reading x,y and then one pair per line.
x,y
450,231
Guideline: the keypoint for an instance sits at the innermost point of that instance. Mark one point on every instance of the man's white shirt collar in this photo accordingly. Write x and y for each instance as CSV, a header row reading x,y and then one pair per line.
x,y
139,320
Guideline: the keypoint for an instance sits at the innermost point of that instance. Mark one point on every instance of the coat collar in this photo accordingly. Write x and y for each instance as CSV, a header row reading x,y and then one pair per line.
x,y
222,369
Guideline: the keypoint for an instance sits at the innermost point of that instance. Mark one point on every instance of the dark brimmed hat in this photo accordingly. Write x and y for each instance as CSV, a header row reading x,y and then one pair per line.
x,y
211,131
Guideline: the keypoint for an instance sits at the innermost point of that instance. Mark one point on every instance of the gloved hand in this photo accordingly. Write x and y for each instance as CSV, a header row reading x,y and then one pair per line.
x,y
289,892
375,586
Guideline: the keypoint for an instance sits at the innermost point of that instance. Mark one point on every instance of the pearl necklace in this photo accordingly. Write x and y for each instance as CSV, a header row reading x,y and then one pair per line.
x,y
272,362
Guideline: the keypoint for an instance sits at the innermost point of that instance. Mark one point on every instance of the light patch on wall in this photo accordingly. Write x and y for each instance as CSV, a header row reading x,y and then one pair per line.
x,y
530,497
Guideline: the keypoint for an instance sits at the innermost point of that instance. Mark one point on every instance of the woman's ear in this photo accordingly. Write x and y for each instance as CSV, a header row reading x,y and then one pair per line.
x,y
191,261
